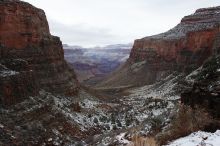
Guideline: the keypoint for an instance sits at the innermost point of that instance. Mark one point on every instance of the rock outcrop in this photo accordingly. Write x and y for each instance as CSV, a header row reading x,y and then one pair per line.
x,y
205,91
18,83
182,48
25,35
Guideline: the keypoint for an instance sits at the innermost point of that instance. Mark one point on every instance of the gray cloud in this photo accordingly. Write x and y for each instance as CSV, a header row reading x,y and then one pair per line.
x,y
82,34
100,22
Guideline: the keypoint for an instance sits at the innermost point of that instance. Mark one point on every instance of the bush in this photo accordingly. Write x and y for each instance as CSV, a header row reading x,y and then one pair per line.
x,y
128,120
103,119
95,120
112,118
118,123
209,68
156,123
186,121
76,107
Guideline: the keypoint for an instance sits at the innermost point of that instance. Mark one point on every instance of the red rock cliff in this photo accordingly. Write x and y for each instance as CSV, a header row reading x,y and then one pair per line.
x,y
22,25
25,35
189,43
183,48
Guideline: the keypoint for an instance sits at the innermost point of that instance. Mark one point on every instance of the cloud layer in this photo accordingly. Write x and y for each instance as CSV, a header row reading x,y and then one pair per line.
x,y
102,22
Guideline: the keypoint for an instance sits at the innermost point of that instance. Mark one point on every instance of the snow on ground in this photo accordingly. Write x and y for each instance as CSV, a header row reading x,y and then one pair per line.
x,y
88,103
191,77
181,30
137,66
144,104
121,139
8,73
163,89
199,138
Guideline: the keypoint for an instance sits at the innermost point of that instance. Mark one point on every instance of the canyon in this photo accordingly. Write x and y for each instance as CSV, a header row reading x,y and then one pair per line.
x,y
93,64
166,76
30,54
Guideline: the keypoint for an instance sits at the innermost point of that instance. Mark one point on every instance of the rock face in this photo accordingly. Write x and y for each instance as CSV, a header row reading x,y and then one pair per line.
x,y
182,48
190,42
22,25
25,35
18,83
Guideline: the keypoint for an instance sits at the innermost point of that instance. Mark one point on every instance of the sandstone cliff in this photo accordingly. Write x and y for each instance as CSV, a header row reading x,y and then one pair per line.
x,y
182,48
190,42
25,35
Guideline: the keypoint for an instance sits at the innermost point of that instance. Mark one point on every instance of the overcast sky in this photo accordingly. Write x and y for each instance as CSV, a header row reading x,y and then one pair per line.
x,y
102,22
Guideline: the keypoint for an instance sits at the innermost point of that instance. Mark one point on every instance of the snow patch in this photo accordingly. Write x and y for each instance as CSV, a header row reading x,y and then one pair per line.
x,y
121,139
1,126
137,66
199,138
6,73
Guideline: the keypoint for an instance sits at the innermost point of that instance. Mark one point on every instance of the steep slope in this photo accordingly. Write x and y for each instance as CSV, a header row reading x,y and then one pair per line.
x,y
25,39
182,48
39,96
205,90
31,60
199,91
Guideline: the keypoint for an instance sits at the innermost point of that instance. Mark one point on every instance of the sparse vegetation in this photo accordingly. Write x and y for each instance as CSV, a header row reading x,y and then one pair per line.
x,y
76,107
186,121
210,67
144,141
156,123
96,120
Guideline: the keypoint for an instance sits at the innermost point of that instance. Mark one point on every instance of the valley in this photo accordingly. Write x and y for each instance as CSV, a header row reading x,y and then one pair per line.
x,y
151,93
93,64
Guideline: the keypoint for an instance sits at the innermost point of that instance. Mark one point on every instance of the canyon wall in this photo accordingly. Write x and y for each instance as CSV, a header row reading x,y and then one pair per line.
x,y
182,48
189,43
25,36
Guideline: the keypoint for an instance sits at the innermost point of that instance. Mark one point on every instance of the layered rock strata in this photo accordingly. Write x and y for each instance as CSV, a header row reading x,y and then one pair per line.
x,y
25,35
189,43
183,49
